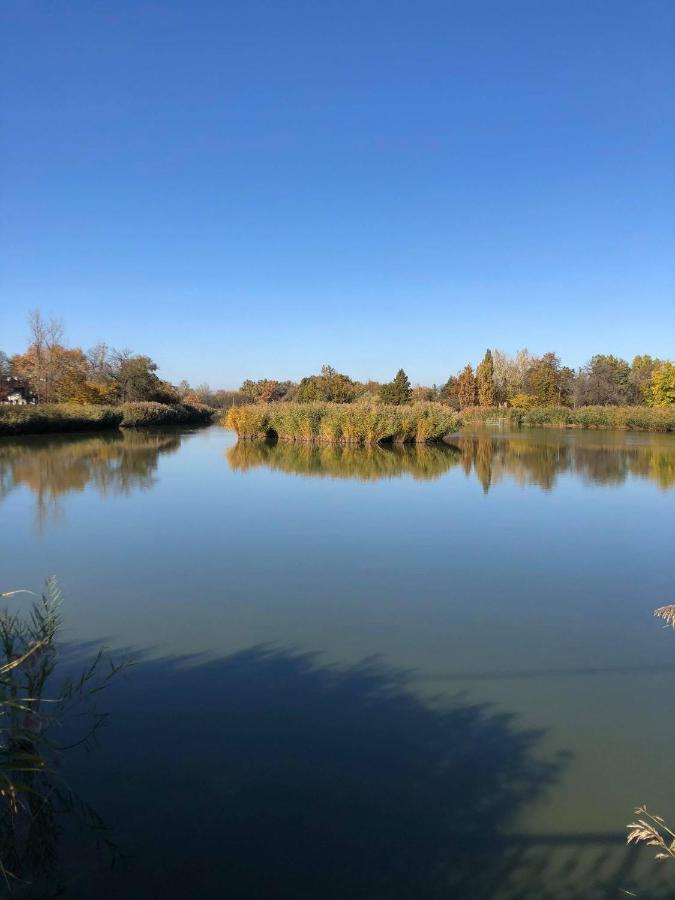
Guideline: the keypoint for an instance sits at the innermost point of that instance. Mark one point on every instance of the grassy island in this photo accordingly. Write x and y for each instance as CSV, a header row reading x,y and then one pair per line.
x,y
423,422
340,423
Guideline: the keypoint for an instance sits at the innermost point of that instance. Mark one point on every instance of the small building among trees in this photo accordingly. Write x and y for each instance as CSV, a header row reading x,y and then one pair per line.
x,y
15,392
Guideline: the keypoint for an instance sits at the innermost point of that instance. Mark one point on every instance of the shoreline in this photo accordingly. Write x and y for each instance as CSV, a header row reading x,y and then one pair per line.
x,y
68,418
425,422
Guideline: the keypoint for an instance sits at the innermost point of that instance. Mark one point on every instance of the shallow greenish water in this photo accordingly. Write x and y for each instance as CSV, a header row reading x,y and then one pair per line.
x,y
363,673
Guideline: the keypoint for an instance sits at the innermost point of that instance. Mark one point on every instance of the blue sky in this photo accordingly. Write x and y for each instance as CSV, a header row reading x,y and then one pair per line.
x,y
248,189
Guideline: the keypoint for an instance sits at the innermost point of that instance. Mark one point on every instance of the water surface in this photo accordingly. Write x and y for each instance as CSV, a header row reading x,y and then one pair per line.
x,y
383,672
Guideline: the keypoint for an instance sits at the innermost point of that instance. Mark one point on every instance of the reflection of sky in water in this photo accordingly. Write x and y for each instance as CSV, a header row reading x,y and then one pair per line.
x,y
537,600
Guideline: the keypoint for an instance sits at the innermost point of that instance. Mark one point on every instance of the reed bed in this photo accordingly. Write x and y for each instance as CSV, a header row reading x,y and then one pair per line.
x,y
143,415
58,417
624,418
632,418
53,418
336,423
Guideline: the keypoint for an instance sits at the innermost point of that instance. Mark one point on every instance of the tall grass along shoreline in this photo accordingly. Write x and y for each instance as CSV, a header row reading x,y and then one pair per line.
x,y
625,418
332,423
69,417
338,423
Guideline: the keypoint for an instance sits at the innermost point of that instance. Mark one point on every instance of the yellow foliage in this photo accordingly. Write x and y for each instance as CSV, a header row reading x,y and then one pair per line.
x,y
523,401
662,386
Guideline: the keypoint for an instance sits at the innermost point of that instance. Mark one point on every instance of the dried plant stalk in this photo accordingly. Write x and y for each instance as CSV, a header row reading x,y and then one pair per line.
x,y
667,613
652,831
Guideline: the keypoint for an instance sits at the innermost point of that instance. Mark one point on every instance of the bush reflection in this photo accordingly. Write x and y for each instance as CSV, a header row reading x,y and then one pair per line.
x,y
52,466
529,460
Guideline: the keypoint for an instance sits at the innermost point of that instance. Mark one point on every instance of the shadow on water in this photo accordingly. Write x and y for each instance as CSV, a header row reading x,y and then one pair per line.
x,y
50,466
267,775
528,458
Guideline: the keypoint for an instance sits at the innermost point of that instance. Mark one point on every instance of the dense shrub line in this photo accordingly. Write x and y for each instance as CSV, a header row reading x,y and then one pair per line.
x,y
142,415
366,423
47,418
343,424
638,418
58,417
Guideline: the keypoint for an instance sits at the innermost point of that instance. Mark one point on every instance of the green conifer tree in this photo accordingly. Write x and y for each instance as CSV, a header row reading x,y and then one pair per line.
x,y
397,391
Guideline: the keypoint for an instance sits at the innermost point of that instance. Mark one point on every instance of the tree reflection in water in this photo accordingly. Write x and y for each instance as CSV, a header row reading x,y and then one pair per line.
x,y
528,459
594,457
51,466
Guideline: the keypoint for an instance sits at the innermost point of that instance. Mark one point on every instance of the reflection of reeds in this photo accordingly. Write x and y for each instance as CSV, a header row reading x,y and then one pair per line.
x,y
370,463
490,458
338,423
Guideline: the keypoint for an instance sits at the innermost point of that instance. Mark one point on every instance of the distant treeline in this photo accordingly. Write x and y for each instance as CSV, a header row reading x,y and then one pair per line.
x,y
523,381
49,372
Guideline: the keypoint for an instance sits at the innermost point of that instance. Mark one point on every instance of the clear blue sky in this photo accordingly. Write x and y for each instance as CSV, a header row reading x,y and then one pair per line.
x,y
248,189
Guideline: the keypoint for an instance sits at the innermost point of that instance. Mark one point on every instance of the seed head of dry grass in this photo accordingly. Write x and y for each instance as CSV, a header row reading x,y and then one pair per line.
x,y
652,831
667,613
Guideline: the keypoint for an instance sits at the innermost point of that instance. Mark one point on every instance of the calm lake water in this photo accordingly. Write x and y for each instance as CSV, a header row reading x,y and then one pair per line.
x,y
362,673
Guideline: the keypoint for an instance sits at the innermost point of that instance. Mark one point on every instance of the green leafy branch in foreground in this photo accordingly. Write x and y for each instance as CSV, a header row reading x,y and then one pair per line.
x,y
33,793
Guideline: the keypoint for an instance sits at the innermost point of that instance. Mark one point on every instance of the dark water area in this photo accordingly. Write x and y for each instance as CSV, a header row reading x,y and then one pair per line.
x,y
417,672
